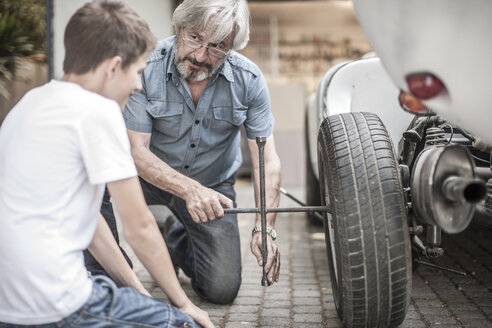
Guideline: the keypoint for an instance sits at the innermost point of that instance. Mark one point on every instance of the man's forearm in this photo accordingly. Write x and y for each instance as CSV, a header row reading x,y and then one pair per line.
x,y
272,189
155,171
203,204
272,177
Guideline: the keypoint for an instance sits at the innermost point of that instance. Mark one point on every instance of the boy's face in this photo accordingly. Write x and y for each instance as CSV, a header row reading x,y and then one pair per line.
x,y
127,81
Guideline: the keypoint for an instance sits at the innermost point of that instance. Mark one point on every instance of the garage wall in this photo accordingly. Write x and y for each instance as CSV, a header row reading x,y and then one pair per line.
x,y
157,13
287,101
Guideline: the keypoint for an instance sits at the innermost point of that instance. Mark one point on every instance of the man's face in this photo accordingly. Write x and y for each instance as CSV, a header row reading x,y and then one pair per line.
x,y
127,81
198,64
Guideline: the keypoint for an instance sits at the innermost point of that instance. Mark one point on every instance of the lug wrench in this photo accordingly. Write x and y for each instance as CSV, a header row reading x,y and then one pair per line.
x,y
263,210
261,141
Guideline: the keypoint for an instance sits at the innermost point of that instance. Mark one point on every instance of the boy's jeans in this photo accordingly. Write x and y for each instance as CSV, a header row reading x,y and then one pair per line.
x,y
110,306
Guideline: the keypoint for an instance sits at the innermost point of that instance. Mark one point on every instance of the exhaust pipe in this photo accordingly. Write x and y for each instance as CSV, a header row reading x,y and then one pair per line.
x,y
464,190
445,189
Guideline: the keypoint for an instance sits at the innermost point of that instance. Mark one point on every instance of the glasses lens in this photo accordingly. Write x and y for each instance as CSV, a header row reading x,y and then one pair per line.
x,y
192,43
217,52
214,51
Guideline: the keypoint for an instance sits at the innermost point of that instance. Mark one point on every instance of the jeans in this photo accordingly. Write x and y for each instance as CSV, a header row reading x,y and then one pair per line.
x,y
209,253
110,306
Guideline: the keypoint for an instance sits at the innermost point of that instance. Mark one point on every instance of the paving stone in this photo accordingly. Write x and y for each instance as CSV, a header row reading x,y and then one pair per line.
x,y
277,304
247,300
241,324
308,317
243,309
306,293
477,324
413,324
272,312
248,317
306,301
274,322
306,309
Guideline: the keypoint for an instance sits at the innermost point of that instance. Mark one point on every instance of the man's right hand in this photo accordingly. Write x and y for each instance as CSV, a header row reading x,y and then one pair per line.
x,y
205,204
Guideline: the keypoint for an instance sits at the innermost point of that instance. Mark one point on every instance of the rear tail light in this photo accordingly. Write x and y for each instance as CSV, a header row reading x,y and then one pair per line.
x,y
412,104
424,85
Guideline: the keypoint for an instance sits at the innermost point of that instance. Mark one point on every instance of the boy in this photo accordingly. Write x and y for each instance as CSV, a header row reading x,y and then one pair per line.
x,y
59,146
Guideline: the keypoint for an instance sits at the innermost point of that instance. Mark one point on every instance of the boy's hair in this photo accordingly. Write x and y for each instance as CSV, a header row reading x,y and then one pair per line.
x,y
221,17
102,29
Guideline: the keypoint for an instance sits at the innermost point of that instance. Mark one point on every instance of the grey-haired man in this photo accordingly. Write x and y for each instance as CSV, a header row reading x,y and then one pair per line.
x,y
184,129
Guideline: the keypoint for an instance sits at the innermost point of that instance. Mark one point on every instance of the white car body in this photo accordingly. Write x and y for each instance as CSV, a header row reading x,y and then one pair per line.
x,y
449,39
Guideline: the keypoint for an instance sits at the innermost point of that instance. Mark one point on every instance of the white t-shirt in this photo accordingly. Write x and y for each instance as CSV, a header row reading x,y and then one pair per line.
x,y
58,147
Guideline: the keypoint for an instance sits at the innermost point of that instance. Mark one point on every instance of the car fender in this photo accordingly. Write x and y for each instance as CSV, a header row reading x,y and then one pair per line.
x,y
356,86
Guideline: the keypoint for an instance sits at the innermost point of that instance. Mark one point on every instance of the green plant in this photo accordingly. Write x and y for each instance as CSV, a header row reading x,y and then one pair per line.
x,y
22,33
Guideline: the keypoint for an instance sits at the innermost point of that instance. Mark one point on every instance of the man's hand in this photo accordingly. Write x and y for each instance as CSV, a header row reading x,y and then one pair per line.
x,y
205,204
197,314
272,267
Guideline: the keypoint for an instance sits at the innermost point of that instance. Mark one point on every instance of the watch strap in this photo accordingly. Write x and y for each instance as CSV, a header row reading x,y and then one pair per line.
x,y
269,230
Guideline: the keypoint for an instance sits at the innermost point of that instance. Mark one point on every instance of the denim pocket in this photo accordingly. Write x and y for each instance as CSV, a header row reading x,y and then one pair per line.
x,y
226,120
227,114
166,116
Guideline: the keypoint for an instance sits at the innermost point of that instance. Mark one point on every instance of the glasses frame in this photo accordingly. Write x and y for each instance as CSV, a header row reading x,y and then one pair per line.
x,y
194,44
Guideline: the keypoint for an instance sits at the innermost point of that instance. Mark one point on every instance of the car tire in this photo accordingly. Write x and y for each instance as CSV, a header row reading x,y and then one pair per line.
x,y
367,238
312,185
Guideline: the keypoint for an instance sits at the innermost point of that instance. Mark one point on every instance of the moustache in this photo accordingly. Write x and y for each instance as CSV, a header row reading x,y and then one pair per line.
x,y
195,62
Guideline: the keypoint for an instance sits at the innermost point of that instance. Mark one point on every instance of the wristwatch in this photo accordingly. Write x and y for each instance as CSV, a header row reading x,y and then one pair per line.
x,y
269,231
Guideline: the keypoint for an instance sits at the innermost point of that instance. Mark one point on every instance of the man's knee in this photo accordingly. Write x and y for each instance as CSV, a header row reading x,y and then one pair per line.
x,y
219,288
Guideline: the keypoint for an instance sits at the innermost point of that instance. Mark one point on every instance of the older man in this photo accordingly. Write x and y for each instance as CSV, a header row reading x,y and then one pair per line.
x,y
184,129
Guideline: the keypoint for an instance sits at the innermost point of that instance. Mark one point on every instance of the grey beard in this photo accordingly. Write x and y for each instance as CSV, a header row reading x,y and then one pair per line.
x,y
192,76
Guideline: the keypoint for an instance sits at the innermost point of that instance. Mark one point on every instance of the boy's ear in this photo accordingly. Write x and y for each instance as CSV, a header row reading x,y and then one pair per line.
x,y
113,64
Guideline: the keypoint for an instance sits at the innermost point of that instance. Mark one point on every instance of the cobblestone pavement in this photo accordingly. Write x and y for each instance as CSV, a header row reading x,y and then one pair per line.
x,y
303,296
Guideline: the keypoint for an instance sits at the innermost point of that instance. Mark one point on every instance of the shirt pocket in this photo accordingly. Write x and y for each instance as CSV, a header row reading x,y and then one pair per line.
x,y
166,116
227,117
226,121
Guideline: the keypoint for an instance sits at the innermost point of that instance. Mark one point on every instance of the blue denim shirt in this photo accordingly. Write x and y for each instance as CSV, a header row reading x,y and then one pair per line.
x,y
201,142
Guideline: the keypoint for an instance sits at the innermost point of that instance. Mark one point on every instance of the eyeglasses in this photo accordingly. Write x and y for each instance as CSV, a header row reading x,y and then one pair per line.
x,y
213,49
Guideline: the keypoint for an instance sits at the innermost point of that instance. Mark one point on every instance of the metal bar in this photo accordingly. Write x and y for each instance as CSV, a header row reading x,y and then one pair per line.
x,y
286,193
315,209
461,273
317,214
260,141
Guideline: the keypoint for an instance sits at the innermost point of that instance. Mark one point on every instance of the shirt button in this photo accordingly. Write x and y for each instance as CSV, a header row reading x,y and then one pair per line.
x,y
187,166
192,145
197,122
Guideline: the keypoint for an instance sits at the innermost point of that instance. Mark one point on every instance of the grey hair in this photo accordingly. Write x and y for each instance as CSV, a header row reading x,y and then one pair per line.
x,y
224,16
